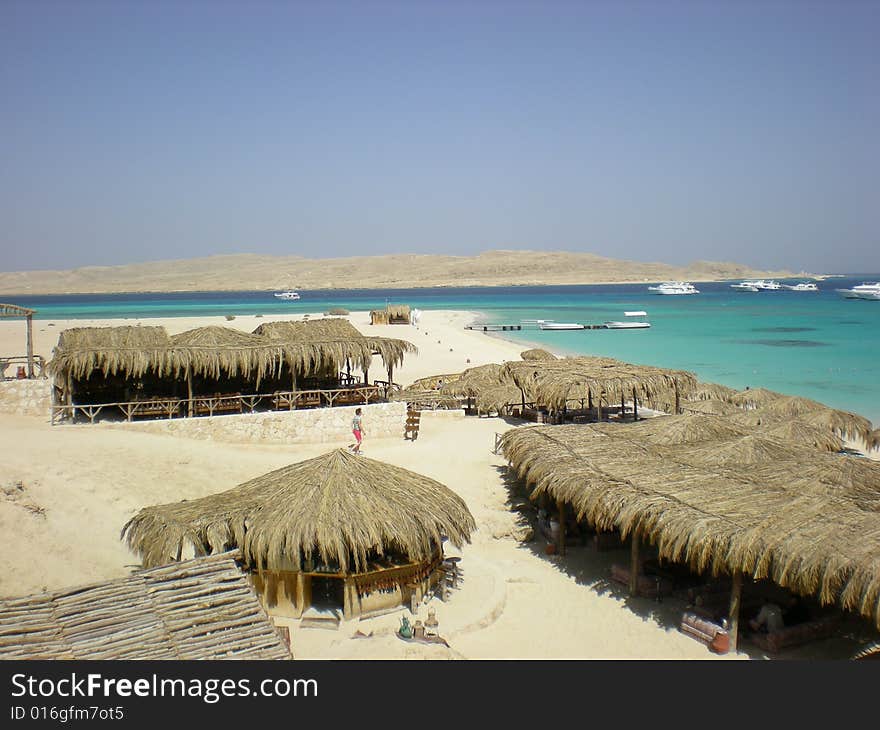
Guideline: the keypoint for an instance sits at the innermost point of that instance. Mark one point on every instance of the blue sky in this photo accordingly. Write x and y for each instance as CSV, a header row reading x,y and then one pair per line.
x,y
657,131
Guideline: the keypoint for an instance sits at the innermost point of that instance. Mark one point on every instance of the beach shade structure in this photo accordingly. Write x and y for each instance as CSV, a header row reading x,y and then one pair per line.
x,y
753,397
555,383
738,452
688,428
392,314
340,530
711,391
196,609
847,425
710,406
810,525
874,440
8,311
802,433
537,354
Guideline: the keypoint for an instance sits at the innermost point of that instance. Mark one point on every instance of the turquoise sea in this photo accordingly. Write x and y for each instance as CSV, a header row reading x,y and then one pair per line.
x,y
818,345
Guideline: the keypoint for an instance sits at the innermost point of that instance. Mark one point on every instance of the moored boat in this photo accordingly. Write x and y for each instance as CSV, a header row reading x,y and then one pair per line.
x,y
289,295
674,287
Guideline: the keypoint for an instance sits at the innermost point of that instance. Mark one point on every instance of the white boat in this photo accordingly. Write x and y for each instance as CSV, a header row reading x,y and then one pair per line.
x,y
767,285
635,324
803,286
560,326
674,287
746,286
289,295
869,290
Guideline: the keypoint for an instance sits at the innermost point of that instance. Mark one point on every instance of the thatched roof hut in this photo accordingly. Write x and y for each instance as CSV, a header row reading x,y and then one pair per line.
x,y
711,391
197,609
802,433
874,440
537,354
553,382
392,314
338,507
761,521
333,328
753,397
132,350
687,428
848,425
710,407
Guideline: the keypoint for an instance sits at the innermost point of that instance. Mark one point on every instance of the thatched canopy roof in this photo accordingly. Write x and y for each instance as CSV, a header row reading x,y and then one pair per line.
x,y
553,382
338,506
711,391
687,428
397,310
814,533
753,397
802,433
537,354
710,406
304,346
874,440
126,349
474,380
197,609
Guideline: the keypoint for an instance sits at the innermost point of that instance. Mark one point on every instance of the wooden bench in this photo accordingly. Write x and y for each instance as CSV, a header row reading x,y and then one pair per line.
x,y
217,403
647,586
411,430
797,634
713,635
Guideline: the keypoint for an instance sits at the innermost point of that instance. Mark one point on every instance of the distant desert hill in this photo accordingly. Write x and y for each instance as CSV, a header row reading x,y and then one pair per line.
x,y
398,271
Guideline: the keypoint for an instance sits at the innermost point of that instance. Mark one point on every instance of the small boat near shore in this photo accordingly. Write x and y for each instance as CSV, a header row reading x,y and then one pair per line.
x,y
560,326
633,324
674,288
803,286
288,295
745,286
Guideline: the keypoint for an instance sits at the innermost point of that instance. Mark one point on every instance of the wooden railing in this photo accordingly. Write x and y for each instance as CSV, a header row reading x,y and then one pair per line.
x,y
21,361
222,403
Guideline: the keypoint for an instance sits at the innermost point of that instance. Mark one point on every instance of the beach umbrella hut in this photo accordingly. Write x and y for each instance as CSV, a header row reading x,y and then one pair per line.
x,y
10,311
754,521
355,533
710,407
688,428
847,425
738,452
753,397
874,440
711,391
799,432
392,314
537,354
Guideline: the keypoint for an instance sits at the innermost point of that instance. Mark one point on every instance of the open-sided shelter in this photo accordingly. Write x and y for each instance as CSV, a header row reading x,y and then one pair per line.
x,y
340,531
8,311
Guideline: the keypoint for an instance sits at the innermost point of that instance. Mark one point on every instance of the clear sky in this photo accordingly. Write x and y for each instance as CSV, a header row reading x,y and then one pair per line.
x,y
658,131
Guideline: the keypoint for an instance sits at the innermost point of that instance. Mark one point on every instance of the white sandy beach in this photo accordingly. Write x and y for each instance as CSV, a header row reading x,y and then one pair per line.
x,y
82,483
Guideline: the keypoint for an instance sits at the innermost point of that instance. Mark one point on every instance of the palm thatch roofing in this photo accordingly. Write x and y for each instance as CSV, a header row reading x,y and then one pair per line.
x,y
338,506
711,391
874,440
802,433
197,609
473,380
553,382
687,428
12,310
811,526
710,406
753,397
848,425
537,354
304,346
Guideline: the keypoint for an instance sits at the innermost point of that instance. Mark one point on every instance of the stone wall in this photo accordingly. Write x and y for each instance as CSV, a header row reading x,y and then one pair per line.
x,y
307,426
26,397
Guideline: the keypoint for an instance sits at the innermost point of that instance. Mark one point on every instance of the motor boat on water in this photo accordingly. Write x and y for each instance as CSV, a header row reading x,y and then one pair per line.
x,y
803,286
674,287
634,324
767,285
745,286
560,326
868,290
288,295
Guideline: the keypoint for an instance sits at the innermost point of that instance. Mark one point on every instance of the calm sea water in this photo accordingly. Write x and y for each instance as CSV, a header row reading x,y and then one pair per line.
x,y
817,345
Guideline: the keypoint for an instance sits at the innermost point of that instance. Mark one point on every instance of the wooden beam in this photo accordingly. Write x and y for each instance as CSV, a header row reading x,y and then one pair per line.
x,y
634,564
189,393
635,406
733,613
30,345
677,399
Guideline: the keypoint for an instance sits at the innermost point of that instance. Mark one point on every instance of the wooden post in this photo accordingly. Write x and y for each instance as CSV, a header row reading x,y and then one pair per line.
x,y
733,613
189,393
599,409
523,401
347,602
635,406
292,387
622,406
348,369
589,399
560,537
69,390
677,399
634,564
30,345
366,376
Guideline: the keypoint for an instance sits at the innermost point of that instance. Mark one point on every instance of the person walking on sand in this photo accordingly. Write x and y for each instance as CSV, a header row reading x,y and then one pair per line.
x,y
357,428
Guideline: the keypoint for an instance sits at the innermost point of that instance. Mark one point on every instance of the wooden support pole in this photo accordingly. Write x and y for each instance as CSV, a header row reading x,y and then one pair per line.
x,y
189,393
622,406
733,613
677,399
68,394
599,408
589,399
634,564
635,406
560,537
30,345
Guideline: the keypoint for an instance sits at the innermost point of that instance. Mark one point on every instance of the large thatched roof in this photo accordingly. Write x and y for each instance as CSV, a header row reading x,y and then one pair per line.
x,y
305,346
709,406
197,609
811,524
874,439
711,391
753,397
553,382
537,354
338,506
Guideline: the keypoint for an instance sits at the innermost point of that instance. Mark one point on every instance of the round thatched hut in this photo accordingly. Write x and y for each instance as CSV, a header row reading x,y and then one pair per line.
x,y
338,531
